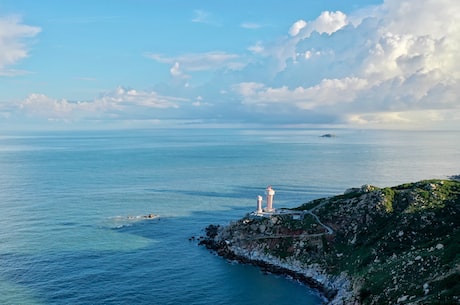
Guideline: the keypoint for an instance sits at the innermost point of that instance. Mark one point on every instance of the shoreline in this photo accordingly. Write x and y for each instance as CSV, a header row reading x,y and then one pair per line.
x,y
334,290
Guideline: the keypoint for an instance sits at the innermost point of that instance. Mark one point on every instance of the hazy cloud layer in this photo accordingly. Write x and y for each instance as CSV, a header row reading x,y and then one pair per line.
x,y
121,103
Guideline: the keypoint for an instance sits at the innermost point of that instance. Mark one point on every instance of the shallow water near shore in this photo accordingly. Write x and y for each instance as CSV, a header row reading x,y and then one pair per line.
x,y
72,206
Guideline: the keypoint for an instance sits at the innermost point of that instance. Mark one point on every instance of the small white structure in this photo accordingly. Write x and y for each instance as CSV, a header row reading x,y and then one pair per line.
x,y
259,204
270,193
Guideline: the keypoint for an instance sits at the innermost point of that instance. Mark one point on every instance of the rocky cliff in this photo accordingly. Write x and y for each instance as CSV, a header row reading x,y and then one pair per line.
x,y
395,245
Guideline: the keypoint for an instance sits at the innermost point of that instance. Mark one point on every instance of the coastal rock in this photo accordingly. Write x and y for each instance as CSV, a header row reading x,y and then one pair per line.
x,y
352,246
402,299
262,228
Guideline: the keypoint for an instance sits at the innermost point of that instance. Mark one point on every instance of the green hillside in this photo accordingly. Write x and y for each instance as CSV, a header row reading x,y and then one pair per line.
x,y
396,245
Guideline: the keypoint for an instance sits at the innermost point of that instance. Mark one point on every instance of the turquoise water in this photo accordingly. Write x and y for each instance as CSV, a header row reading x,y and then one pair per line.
x,y
72,205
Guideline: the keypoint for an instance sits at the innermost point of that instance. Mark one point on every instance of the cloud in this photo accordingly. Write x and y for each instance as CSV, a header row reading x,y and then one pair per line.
x,y
177,72
121,103
182,66
392,65
258,48
297,27
204,17
122,97
413,119
285,49
399,63
251,25
12,44
202,61
327,22
328,92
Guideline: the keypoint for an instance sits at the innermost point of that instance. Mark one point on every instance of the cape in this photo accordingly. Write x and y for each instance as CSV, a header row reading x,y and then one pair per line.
x,y
370,245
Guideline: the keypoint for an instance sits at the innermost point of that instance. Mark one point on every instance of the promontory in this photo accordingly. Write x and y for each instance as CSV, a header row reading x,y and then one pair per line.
x,y
370,245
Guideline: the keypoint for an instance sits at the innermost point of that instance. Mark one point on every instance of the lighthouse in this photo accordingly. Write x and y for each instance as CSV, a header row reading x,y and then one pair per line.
x,y
259,204
270,193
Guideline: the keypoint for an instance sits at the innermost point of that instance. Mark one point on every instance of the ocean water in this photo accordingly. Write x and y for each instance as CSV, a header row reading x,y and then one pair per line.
x,y
71,206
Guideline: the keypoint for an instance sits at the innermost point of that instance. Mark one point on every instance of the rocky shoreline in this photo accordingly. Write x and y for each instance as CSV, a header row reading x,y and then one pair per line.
x,y
370,245
332,291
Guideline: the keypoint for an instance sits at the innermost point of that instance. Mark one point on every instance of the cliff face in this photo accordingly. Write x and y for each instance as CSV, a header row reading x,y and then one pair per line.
x,y
370,245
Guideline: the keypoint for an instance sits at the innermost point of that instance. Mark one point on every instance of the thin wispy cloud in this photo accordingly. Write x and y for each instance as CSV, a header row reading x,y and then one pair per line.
x,y
13,47
204,17
200,61
209,61
251,25
13,72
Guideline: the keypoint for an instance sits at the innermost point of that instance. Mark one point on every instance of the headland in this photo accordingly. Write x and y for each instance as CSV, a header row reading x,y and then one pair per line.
x,y
370,245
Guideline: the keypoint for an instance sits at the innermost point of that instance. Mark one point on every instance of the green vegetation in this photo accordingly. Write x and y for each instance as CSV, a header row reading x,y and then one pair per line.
x,y
389,195
305,223
309,205
282,248
398,244
415,242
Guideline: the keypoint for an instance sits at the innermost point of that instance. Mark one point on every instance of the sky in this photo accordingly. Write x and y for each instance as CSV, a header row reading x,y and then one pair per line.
x,y
84,64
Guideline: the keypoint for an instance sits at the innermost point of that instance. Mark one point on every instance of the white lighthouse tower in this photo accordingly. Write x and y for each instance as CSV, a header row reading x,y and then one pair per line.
x,y
259,204
270,193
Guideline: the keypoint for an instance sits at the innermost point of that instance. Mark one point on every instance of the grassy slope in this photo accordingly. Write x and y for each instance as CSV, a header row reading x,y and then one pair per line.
x,y
396,243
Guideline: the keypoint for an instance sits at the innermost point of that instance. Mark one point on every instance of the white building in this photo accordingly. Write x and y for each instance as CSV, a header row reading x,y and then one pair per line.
x,y
259,204
270,192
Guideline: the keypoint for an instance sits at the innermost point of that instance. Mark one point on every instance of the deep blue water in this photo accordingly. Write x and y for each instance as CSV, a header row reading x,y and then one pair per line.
x,y
66,199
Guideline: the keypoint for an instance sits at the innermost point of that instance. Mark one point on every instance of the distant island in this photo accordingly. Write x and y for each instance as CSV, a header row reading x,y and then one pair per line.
x,y
370,245
328,135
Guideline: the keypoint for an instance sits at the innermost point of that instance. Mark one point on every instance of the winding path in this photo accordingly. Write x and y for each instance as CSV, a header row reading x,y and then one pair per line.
x,y
329,229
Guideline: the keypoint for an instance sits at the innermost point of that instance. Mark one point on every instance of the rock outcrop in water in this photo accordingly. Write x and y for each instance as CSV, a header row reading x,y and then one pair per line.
x,y
396,245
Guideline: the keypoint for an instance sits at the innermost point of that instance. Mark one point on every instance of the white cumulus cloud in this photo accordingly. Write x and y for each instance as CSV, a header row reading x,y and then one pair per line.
x,y
400,63
327,92
329,22
297,27
394,64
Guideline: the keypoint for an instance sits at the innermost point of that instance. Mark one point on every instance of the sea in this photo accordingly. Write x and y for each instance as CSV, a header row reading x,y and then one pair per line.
x,y
73,204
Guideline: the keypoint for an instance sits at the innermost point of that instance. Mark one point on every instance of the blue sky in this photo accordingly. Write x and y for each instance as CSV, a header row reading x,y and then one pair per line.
x,y
144,63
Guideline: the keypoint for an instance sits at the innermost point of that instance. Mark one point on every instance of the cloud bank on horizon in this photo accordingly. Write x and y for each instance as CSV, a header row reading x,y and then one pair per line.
x,y
393,65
